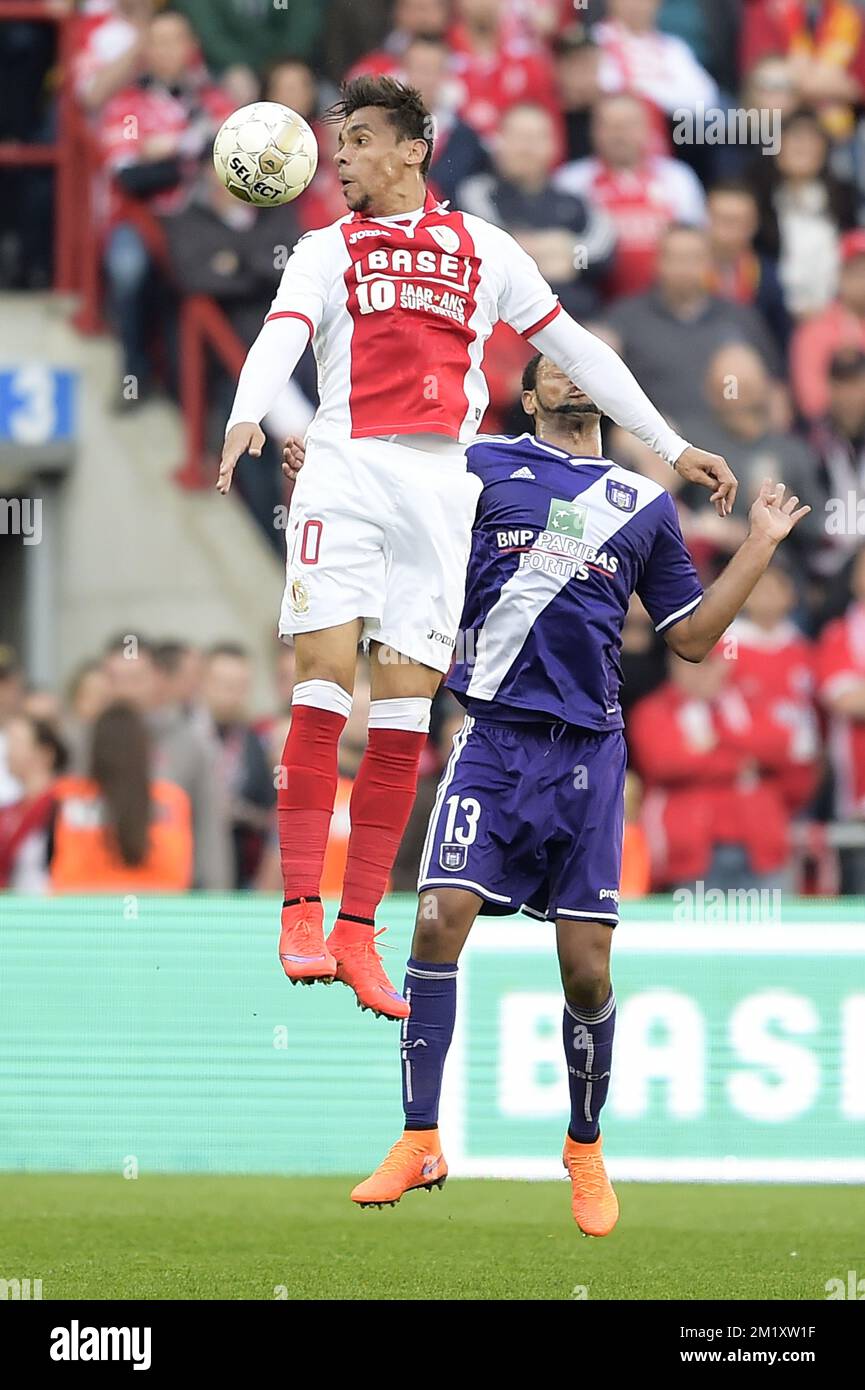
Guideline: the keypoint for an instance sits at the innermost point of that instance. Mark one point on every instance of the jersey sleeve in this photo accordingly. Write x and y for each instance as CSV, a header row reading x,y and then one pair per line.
x,y
305,285
669,586
526,301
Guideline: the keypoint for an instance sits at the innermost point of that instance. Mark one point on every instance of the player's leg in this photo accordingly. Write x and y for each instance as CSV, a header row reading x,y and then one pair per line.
x,y
335,576
585,897
588,1027
381,800
320,706
431,504
589,1020
444,920
484,844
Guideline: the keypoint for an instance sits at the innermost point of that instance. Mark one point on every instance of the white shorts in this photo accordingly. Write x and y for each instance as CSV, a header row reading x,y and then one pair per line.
x,y
380,529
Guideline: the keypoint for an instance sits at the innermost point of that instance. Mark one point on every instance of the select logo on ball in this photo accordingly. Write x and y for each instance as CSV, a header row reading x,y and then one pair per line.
x,y
265,154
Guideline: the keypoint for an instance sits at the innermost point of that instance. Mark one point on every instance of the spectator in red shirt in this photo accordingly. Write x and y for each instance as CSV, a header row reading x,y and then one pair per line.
x,y
823,42
495,66
642,193
713,807
840,325
774,668
841,688
107,49
153,135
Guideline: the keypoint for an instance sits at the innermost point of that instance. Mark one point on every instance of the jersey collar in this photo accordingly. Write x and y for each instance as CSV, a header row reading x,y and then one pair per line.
x,y
430,204
561,453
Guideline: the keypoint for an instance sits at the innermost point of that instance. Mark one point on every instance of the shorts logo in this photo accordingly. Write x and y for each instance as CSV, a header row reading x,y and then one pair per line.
x,y
621,495
567,518
298,597
453,857
446,238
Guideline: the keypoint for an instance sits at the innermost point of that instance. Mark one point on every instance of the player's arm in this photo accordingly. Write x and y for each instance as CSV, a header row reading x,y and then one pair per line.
x,y
294,316
599,371
268,366
528,304
772,518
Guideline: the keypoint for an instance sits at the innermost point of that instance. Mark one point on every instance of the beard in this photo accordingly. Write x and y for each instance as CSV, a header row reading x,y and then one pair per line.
x,y
586,408
361,202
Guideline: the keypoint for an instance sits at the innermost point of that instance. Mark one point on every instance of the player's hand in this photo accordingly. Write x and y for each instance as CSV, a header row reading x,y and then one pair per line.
x,y
293,455
709,470
772,516
241,439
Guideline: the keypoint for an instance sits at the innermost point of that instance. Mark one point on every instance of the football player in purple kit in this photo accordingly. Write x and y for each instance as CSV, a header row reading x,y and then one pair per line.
x,y
529,811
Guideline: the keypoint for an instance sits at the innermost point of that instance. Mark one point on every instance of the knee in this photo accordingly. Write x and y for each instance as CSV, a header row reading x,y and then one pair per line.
x,y
438,937
586,980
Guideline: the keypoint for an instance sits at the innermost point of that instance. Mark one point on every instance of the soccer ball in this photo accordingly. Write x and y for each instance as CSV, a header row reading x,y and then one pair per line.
x,y
265,154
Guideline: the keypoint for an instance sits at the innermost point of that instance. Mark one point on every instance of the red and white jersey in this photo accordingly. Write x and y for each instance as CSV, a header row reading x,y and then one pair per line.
x,y
841,666
641,203
658,67
775,672
400,310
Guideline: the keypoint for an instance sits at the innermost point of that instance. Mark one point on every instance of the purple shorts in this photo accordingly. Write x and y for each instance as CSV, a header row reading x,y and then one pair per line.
x,y
530,816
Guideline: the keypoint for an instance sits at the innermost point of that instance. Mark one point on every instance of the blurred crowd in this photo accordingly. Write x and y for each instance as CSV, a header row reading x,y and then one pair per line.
x,y
690,177
150,772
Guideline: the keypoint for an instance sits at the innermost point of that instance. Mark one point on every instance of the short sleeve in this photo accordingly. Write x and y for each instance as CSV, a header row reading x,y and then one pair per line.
x,y
526,301
669,586
305,285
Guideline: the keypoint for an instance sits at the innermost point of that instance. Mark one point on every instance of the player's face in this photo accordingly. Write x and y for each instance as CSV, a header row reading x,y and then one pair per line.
x,y
371,159
556,394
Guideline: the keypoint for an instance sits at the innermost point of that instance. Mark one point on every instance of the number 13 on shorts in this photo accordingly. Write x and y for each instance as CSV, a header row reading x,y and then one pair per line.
x,y
470,809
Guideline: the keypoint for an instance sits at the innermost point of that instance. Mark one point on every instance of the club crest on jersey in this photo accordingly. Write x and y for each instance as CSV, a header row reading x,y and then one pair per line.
x,y
621,495
453,857
298,597
567,518
446,238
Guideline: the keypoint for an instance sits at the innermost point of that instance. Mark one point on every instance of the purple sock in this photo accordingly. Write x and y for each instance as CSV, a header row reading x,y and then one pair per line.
x,y
588,1039
431,990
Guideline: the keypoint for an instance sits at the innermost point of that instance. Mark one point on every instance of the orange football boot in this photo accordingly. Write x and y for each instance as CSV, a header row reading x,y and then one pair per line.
x,y
415,1163
593,1201
302,947
358,965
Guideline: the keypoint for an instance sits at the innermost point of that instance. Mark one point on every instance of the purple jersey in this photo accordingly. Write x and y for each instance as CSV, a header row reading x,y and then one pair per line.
x,y
559,545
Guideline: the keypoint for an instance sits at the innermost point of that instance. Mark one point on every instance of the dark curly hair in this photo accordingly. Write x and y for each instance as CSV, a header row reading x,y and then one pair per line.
x,y
404,107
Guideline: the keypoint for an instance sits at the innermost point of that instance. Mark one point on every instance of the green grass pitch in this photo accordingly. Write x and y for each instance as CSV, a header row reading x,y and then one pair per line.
x,y
96,1236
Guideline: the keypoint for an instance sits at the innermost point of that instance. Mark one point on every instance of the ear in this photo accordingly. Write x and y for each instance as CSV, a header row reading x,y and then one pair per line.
x,y
530,402
416,152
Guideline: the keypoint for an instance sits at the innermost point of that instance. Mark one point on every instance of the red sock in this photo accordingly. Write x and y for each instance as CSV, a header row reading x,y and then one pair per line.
x,y
381,801
307,791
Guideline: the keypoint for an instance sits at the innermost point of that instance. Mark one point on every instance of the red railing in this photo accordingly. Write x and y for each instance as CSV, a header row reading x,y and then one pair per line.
x,y
61,154
78,243
203,328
